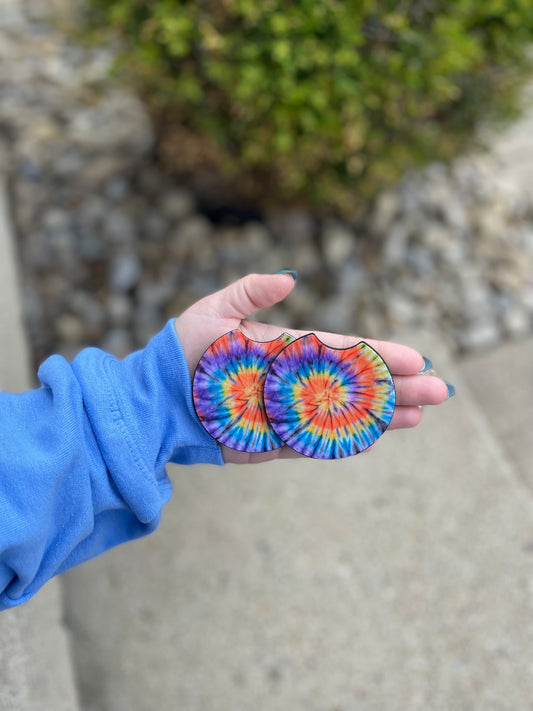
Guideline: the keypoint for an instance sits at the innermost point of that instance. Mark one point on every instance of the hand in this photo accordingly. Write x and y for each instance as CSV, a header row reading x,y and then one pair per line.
x,y
229,308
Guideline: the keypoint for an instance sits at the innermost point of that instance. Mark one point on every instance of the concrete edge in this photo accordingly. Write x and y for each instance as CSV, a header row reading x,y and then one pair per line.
x,y
36,671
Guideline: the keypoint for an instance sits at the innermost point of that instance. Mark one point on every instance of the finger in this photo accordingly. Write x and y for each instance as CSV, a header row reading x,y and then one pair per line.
x,y
400,359
420,390
249,294
405,418
232,456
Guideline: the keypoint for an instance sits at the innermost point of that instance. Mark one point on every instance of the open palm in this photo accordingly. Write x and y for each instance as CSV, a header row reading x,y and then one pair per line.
x,y
230,308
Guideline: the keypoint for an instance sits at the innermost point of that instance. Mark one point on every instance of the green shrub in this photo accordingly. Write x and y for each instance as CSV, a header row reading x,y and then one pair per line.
x,y
325,101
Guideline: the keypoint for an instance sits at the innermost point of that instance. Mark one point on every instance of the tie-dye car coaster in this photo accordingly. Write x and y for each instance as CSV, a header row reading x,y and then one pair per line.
x,y
328,403
228,390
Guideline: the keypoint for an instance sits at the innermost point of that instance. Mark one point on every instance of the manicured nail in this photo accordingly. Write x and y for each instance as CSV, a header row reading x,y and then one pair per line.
x,y
451,390
293,274
427,365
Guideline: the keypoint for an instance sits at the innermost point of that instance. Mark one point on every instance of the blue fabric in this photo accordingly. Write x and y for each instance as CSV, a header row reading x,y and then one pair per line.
x,y
82,458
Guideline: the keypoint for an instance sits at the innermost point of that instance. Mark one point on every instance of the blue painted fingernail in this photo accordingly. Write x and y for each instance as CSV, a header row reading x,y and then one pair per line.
x,y
293,274
427,365
451,390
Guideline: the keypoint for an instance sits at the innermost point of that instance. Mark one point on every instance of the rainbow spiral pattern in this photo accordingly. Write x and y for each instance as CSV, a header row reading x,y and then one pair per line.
x,y
228,390
329,403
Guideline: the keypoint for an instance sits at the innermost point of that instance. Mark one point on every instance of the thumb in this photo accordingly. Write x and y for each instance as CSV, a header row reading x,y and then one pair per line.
x,y
251,293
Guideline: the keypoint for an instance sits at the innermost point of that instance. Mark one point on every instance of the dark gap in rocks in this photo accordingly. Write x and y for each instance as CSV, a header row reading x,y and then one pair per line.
x,y
230,216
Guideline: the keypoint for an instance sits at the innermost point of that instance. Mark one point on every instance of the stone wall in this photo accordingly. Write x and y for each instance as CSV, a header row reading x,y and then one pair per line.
x,y
110,248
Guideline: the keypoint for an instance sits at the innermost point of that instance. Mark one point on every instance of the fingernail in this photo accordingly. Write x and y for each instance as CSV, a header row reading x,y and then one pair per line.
x,y
451,390
427,365
293,274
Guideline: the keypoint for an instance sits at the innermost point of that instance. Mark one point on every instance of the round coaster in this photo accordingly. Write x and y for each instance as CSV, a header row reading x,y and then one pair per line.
x,y
329,403
228,389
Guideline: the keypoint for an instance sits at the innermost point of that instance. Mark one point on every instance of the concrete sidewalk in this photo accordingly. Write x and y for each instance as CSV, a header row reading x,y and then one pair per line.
x,y
395,581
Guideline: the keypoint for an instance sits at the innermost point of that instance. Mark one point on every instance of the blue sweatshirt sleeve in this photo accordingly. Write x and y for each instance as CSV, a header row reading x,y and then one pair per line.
x,y
82,458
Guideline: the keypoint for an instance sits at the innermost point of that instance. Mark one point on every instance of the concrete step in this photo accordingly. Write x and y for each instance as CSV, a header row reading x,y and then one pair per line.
x,y
501,381
36,672
399,579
